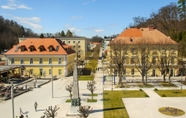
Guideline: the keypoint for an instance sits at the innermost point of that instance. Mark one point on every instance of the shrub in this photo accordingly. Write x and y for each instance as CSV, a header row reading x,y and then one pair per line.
x,y
163,95
156,89
140,90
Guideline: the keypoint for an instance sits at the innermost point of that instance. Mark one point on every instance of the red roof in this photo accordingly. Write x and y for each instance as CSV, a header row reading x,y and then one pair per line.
x,y
58,47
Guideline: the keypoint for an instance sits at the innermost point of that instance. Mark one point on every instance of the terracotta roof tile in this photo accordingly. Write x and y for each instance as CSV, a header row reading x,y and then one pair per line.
x,y
37,43
138,35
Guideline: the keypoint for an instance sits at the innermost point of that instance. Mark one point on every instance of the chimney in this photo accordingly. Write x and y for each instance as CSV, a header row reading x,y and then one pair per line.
x,y
151,27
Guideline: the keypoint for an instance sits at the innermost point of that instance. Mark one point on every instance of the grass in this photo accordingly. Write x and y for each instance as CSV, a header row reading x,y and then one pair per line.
x,y
86,78
68,100
167,84
92,100
171,93
113,104
141,85
93,95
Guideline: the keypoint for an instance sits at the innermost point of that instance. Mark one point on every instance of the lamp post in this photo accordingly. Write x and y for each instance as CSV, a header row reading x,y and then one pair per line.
x,y
12,97
52,79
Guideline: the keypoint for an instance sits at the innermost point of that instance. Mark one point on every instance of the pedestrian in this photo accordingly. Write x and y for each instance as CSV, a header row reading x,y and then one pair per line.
x,y
21,116
35,105
20,111
26,116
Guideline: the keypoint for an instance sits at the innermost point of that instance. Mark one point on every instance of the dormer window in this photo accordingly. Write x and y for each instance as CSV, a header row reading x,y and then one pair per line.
x,y
23,48
51,48
32,48
42,48
131,40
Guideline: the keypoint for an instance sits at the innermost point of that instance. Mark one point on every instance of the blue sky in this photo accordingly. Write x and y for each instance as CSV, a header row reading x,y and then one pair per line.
x,y
83,17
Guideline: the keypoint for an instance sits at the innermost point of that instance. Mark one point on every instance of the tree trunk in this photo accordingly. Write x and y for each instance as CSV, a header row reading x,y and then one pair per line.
x,y
164,77
143,79
146,80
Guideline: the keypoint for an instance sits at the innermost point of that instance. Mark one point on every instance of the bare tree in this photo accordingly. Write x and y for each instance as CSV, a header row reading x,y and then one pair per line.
x,y
143,61
69,89
91,87
51,112
166,19
167,58
118,52
84,111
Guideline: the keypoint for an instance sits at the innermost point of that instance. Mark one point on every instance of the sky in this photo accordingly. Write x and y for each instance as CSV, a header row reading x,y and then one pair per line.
x,y
86,18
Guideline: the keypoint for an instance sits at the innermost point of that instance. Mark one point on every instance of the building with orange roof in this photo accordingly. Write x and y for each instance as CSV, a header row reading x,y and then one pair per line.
x,y
132,40
40,56
80,42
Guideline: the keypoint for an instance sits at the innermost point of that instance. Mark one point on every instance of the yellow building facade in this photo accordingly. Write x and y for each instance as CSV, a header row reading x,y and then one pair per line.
x,y
42,57
133,44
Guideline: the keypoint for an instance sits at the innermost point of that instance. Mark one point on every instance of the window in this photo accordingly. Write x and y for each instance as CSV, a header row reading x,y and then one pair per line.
x,y
50,71
59,60
59,72
124,59
21,61
132,71
31,49
162,59
41,49
78,41
172,60
68,41
50,49
154,60
124,71
132,60
22,49
74,41
12,60
40,61
50,60
79,46
133,50
153,72
31,60
31,71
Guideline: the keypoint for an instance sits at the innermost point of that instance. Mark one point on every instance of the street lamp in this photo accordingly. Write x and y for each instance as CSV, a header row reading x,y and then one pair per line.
x,y
52,79
12,97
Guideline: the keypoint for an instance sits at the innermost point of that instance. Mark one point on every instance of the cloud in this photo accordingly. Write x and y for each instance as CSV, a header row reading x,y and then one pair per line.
x,y
98,30
76,17
73,29
32,22
11,5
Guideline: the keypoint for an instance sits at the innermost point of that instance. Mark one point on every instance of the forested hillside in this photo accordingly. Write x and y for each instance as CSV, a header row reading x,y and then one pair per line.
x,y
10,31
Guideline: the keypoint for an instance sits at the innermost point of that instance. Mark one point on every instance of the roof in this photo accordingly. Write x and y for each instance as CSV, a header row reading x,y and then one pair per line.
x,y
138,35
58,47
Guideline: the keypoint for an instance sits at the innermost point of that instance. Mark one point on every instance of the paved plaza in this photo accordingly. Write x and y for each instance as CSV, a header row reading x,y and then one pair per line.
x,y
136,107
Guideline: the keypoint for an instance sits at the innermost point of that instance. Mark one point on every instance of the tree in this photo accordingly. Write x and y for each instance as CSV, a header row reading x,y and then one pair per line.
x,y
69,89
41,35
91,87
51,112
143,56
62,33
182,9
166,58
96,39
69,33
84,111
118,51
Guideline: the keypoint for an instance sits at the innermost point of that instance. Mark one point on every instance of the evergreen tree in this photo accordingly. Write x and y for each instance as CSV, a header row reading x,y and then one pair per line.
x,y
182,9
69,33
41,35
62,33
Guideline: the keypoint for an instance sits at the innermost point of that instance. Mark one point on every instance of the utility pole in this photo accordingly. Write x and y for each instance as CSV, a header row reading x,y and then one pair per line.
x,y
52,80
12,97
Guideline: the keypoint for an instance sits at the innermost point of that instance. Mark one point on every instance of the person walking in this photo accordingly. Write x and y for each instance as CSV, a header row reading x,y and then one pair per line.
x,y
35,105
20,111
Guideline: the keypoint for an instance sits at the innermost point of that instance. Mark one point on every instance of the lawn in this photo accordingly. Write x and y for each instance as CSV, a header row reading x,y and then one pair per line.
x,y
141,85
167,84
171,93
86,78
113,104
